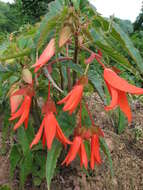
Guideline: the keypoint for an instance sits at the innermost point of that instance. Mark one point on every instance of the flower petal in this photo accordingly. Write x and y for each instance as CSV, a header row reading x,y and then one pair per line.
x,y
119,83
74,99
50,129
38,135
15,101
73,150
123,103
25,112
114,100
65,98
46,55
60,135
96,150
83,154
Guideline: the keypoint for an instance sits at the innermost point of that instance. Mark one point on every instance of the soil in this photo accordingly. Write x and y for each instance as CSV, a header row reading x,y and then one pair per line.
x,y
126,151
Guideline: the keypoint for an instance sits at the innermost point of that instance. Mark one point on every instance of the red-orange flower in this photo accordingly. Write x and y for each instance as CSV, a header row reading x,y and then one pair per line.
x,y
95,153
77,147
46,55
74,96
49,127
23,111
15,101
118,87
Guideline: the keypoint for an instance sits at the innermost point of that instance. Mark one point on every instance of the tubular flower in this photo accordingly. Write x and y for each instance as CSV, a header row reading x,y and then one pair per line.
x,y
95,153
77,147
46,55
23,111
49,127
118,87
15,101
73,98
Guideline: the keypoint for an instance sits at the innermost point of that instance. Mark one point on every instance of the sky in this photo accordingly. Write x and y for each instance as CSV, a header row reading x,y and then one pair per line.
x,y
124,9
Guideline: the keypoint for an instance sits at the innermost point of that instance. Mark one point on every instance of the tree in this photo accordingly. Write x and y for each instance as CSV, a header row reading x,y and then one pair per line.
x,y
34,9
138,25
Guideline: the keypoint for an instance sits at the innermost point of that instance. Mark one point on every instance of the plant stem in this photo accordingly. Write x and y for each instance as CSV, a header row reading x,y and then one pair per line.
x,y
75,58
89,113
35,114
68,69
62,78
60,59
86,69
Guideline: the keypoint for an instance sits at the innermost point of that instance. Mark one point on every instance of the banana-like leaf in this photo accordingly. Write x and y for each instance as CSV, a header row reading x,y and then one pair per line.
x,y
118,34
49,22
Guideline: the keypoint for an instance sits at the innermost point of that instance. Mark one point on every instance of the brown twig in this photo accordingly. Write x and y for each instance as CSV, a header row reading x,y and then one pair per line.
x,y
75,58
68,69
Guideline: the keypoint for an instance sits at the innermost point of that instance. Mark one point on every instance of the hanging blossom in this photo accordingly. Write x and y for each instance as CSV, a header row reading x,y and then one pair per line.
x,y
77,147
49,51
49,126
73,98
47,54
118,87
23,112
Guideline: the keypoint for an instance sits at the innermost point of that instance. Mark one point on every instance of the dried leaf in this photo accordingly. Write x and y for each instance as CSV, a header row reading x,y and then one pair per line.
x,y
64,35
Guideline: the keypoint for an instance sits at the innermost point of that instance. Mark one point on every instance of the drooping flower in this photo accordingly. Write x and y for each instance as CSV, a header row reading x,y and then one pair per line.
x,y
73,98
49,127
46,55
16,100
95,153
118,87
23,111
77,147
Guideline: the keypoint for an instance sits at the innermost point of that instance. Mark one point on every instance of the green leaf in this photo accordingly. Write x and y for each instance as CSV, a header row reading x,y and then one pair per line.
x,y
25,167
52,157
112,53
97,82
106,151
23,140
14,159
127,43
16,55
49,22
76,4
121,122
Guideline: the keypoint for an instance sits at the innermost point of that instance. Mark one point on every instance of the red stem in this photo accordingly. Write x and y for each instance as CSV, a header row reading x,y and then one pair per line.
x,y
80,114
97,57
49,91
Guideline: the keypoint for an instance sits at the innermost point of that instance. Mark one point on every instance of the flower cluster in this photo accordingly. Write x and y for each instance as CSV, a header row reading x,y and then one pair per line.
x,y
21,98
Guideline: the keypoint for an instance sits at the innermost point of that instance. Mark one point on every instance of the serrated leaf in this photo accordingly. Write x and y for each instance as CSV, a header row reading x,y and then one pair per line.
x,y
16,55
14,159
49,22
52,157
127,43
97,82
106,151
23,140
121,122
65,34
25,167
